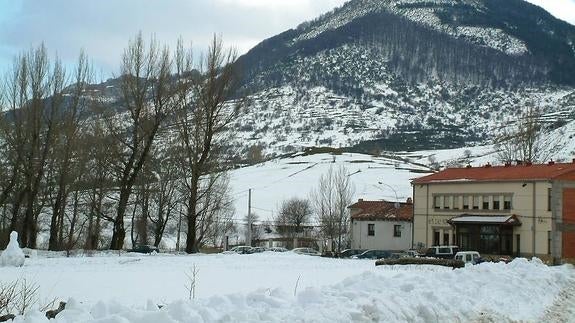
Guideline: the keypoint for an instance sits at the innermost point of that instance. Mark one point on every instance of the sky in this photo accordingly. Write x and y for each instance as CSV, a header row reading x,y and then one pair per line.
x,y
103,28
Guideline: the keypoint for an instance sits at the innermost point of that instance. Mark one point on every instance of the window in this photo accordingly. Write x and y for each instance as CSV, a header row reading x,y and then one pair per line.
x,y
446,238
485,204
548,199
371,229
507,203
456,200
397,230
475,202
496,202
446,202
444,250
437,202
466,202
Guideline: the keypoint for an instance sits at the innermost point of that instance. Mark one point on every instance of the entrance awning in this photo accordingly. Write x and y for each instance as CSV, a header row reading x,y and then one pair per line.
x,y
485,219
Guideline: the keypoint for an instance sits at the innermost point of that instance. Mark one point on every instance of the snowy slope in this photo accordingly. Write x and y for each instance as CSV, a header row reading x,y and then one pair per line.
x,y
287,119
386,177
275,181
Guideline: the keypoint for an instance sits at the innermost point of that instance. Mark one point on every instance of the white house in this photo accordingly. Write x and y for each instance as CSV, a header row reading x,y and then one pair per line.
x,y
381,225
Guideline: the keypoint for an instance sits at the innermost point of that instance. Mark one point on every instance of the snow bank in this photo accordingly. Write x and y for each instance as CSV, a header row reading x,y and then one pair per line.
x,y
521,290
13,255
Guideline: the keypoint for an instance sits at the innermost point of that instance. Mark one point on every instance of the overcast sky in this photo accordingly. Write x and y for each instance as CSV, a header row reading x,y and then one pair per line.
x,y
103,27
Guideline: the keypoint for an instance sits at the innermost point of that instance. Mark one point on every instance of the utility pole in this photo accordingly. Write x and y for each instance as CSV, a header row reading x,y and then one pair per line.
x,y
249,235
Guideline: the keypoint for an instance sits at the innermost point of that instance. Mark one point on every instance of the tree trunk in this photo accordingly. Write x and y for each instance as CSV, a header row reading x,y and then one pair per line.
x,y
70,242
191,243
119,232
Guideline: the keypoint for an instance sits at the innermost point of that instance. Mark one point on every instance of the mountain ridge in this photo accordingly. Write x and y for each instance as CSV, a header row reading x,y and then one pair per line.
x,y
389,65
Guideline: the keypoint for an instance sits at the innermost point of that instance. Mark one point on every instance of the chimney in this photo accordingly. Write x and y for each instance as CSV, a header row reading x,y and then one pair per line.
x,y
573,160
409,200
360,200
487,165
551,162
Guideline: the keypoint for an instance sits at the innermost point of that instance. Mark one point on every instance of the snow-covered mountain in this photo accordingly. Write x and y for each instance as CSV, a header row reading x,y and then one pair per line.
x,y
408,74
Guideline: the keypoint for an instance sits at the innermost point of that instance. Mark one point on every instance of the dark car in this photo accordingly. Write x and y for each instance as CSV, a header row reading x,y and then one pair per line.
x,y
242,250
145,249
258,249
373,254
347,253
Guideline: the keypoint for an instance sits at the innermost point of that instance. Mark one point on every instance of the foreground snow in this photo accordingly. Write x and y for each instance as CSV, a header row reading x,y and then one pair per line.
x,y
288,287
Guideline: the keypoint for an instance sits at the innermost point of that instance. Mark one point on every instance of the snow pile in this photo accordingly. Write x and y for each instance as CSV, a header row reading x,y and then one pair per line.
x,y
521,290
13,255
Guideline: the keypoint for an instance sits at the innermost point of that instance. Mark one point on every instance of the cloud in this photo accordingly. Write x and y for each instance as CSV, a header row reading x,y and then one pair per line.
x,y
103,28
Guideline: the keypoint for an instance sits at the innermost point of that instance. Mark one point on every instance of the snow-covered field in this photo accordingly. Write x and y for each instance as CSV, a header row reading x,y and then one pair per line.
x,y
285,287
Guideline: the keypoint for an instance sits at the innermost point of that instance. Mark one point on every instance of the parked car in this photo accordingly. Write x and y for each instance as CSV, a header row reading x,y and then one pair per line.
x,y
306,251
242,249
278,249
397,255
347,253
444,252
412,253
469,257
373,254
144,249
258,249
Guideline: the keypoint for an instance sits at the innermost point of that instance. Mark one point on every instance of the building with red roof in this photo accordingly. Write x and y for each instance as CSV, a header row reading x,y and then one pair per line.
x,y
381,225
521,210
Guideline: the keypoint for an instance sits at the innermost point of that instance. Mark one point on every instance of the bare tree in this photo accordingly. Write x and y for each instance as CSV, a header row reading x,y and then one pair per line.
x,y
147,94
215,208
524,139
164,198
330,199
34,97
293,214
202,122
67,161
99,148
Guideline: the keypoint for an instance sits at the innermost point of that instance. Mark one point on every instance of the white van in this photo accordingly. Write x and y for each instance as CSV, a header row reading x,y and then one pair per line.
x,y
468,257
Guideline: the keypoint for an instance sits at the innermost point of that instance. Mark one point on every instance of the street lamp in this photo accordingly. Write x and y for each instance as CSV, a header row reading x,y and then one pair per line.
x,y
396,204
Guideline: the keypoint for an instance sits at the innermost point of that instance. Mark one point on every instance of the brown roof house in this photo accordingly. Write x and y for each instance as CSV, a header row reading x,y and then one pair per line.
x,y
521,210
381,225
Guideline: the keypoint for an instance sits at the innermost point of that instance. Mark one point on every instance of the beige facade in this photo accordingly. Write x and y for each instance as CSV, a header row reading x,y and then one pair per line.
x,y
530,201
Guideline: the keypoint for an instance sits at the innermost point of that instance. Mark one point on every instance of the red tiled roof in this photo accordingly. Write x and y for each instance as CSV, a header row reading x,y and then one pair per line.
x,y
501,173
381,210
